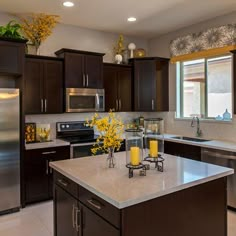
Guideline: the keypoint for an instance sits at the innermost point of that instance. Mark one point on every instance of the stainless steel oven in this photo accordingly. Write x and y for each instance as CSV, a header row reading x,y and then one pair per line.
x,y
81,150
84,100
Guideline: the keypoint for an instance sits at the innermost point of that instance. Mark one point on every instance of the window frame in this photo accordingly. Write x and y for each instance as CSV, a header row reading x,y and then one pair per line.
x,y
180,88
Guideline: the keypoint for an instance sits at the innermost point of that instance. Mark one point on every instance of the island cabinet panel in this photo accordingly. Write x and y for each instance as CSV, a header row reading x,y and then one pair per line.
x,y
82,69
195,211
118,87
12,57
93,224
43,85
37,180
101,207
183,150
151,83
64,213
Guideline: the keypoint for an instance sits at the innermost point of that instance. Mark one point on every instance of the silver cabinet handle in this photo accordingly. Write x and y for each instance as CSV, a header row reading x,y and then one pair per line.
x,y
87,80
91,202
73,216
84,80
62,182
77,218
153,104
50,169
41,105
48,153
119,104
47,162
45,105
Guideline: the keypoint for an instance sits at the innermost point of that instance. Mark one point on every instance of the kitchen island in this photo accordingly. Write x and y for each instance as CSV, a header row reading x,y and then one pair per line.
x,y
188,198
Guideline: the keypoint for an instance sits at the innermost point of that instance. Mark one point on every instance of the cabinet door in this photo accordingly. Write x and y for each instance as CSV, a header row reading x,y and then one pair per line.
x,y
125,89
94,71
53,86
95,225
33,86
36,172
110,75
74,70
145,85
64,213
11,58
56,154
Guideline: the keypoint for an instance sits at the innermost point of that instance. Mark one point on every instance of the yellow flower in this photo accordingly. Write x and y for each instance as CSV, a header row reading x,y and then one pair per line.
x,y
110,128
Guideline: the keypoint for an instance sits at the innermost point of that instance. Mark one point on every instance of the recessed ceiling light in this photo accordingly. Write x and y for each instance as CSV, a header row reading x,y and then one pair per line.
x,y
131,19
68,4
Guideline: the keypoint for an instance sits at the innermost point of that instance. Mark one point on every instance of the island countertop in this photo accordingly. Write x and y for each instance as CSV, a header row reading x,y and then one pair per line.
x,y
114,186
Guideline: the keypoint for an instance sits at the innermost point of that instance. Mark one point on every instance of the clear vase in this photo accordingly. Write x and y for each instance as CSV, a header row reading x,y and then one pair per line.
x,y
111,158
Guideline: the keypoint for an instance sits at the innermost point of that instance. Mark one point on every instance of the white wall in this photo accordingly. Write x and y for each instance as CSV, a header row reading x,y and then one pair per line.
x,y
67,36
160,47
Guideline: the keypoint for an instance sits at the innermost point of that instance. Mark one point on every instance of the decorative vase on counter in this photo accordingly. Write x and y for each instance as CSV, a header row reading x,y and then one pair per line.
x,y
118,58
111,158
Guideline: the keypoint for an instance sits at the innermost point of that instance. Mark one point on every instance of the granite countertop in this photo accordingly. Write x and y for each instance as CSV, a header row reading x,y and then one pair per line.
x,y
114,186
215,144
53,143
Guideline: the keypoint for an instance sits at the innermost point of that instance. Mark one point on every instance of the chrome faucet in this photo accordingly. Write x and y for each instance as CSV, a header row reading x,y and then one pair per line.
x,y
198,132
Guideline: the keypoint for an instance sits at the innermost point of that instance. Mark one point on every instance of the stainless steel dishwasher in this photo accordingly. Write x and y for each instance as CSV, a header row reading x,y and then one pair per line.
x,y
226,159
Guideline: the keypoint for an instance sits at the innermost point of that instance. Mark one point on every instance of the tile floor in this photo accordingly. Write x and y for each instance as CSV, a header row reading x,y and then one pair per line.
x,y
37,220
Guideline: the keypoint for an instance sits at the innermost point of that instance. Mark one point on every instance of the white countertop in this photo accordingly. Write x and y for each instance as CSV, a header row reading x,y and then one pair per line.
x,y
114,186
215,144
53,143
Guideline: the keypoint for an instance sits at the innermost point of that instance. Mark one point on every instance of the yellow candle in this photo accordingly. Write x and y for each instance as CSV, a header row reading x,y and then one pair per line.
x,y
153,148
134,156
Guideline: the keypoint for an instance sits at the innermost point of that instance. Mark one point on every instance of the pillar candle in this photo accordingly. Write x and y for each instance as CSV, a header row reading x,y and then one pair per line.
x,y
153,148
134,156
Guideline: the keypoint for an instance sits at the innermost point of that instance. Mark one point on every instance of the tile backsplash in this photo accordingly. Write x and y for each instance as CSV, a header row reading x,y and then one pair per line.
x,y
126,117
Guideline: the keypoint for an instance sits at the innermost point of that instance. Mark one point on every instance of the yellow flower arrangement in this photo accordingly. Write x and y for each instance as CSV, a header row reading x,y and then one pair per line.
x,y
37,27
119,48
110,132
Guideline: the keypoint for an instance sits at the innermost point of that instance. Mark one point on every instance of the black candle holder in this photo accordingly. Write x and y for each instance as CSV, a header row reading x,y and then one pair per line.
x,y
141,167
159,162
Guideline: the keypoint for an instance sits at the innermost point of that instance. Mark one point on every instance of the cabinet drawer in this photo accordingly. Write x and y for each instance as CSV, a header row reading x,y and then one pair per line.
x,y
65,183
101,207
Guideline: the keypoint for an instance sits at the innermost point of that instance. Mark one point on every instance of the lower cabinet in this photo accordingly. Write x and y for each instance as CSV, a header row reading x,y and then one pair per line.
x,y
183,150
75,216
37,175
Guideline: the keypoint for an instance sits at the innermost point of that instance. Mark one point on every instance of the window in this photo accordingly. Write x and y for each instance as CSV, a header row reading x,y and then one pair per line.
x,y
204,87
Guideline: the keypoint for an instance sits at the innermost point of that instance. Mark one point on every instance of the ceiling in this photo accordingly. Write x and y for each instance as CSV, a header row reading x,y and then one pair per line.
x,y
154,17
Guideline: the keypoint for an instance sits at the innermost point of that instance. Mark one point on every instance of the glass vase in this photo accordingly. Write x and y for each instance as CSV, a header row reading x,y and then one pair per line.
x,y
111,158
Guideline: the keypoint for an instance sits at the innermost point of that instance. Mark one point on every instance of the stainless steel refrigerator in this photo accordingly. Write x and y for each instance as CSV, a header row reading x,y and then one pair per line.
x,y
9,150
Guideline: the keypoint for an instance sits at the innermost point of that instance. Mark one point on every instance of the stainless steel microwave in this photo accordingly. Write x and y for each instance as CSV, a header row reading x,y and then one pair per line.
x,y
84,100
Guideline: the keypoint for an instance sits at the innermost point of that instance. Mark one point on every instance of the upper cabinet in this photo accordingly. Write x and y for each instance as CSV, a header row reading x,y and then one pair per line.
x,y
43,87
82,69
151,83
118,87
12,54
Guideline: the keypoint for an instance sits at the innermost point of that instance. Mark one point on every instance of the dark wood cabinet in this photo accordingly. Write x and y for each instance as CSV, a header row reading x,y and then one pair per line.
x,y
37,173
183,150
12,54
43,87
82,69
118,87
64,213
151,83
78,212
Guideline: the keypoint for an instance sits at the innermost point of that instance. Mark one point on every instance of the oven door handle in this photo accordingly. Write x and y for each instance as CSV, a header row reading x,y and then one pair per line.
x,y
81,144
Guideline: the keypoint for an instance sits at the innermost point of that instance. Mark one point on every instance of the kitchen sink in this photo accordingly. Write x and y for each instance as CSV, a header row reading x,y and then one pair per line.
x,y
191,139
